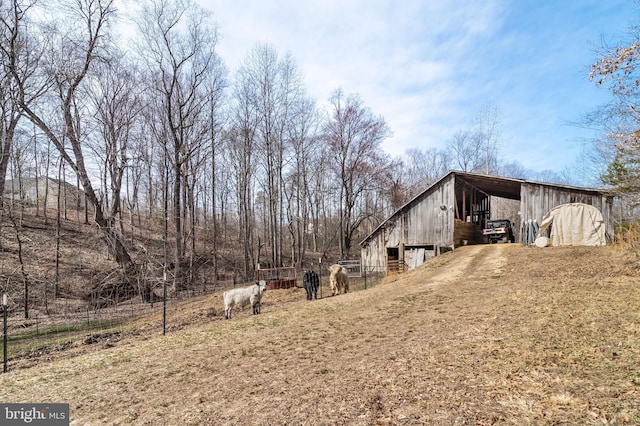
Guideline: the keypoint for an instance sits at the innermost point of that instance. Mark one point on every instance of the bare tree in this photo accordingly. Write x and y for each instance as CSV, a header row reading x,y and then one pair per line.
x,y
77,44
150,156
273,87
354,136
514,169
466,151
116,101
241,141
303,133
422,168
178,45
487,130
617,151
19,55
316,178
21,159
115,98
216,120
476,149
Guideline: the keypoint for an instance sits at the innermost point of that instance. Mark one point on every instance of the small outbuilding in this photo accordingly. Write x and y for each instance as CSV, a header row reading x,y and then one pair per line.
x,y
453,211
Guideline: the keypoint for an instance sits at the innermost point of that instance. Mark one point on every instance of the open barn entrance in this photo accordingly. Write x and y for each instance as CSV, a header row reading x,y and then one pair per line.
x,y
472,211
401,259
480,199
395,264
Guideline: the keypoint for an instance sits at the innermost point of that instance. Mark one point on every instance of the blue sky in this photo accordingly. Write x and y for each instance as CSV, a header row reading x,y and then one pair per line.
x,y
428,66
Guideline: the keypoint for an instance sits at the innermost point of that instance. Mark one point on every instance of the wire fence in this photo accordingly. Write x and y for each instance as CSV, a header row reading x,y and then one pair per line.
x,y
65,322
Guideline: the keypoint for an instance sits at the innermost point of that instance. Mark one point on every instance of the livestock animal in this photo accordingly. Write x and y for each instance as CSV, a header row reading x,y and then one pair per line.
x,y
338,280
310,282
244,296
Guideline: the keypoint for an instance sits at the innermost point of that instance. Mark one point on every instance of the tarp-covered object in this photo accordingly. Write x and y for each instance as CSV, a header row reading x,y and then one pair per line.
x,y
574,224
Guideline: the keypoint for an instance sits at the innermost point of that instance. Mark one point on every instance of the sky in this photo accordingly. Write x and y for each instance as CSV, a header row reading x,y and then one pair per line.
x,y
428,66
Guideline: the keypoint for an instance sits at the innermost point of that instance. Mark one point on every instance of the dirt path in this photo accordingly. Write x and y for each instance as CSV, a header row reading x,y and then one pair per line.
x,y
478,261
469,263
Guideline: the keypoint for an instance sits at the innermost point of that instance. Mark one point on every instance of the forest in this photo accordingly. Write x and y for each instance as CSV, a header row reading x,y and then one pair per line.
x,y
147,121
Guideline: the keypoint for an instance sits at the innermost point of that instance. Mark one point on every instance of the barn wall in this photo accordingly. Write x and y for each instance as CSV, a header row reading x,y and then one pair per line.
x,y
422,224
467,233
537,200
607,215
373,254
427,222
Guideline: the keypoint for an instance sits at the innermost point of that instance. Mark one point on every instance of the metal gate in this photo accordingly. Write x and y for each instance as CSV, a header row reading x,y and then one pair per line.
x,y
277,278
353,267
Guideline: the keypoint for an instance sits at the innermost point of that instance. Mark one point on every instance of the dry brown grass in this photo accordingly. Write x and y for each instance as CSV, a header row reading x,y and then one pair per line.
x,y
497,334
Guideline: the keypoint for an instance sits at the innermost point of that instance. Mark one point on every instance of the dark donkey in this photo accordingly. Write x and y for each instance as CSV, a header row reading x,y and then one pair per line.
x,y
311,282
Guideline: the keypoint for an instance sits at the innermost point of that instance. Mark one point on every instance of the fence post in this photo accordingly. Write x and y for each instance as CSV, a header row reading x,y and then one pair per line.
x,y
364,272
4,338
164,303
320,275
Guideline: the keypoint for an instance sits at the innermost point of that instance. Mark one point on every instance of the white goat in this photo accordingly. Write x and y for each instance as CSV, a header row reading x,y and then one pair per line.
x,y
244,296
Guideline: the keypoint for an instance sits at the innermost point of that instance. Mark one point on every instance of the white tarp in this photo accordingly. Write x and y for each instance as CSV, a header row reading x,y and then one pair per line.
x,y
574,224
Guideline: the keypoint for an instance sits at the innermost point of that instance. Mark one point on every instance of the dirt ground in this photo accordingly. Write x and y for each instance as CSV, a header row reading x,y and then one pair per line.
x,y
493,334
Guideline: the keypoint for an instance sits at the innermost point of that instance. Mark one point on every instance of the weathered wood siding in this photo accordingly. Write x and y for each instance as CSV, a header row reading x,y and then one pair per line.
x,y
373,254
430,220
537,200
421,223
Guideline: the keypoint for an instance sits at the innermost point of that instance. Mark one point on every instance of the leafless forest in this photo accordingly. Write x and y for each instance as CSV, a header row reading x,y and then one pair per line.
x,y
151,127
139,115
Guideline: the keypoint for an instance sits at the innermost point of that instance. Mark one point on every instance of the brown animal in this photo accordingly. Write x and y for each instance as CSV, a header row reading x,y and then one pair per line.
x,y
338,280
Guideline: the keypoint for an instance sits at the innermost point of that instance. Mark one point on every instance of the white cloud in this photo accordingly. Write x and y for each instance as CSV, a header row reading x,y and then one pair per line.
x,y
428,66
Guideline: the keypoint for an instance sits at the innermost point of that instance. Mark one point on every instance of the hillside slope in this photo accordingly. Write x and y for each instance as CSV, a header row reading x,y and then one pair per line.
x,y
497,334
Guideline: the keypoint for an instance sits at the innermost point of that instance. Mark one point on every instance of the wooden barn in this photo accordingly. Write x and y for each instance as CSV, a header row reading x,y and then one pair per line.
x,y
453,211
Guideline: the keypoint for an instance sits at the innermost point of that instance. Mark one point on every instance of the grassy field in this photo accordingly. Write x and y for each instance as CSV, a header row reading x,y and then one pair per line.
x,y
495,334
